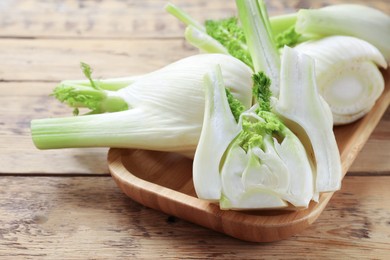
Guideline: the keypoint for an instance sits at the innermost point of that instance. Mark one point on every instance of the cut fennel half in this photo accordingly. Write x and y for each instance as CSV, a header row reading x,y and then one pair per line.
x,y
306,113
347,72
255,163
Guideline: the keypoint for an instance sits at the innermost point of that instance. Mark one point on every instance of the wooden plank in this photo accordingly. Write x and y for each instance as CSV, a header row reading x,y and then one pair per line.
x,y
103,19
88,217
374,157
22,102
58,59
26,159
125,19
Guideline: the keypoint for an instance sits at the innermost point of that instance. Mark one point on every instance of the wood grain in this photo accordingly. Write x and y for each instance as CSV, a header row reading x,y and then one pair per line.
x,y
54,60
122,19
89,218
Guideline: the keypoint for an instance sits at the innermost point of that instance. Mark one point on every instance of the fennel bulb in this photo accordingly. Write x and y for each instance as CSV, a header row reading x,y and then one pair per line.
x,y
162,110
219,129
354,20
347,74
253,161
360,21
308,115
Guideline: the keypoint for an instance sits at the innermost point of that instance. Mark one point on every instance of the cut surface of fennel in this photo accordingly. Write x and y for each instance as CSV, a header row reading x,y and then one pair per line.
x,y
347,74
165,109
255,163
306,113
219,129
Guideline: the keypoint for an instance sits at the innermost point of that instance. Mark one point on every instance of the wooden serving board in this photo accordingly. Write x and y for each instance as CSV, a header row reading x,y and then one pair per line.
x,y
163,181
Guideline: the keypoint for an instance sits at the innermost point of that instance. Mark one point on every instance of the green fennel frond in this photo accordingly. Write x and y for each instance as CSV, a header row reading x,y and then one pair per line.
x,y
231,36
77,96
87,70
235,105
289,37
247,140
254,130
89,96
262,91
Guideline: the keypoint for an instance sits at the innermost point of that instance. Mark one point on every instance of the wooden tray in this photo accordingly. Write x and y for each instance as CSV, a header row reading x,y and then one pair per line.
x,y
163,181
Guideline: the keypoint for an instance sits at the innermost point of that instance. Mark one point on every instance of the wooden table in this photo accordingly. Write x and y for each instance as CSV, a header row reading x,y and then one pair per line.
x,y
60,204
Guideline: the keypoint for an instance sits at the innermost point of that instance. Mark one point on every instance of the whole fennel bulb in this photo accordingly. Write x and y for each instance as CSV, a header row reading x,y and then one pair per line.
x,y
162,110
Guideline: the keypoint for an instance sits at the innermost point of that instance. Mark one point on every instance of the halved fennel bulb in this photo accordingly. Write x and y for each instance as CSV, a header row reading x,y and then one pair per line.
x,y
305,113
218,130
255,162
348,76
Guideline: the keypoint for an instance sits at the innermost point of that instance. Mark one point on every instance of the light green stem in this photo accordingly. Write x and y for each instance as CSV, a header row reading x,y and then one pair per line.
x,y
203,41
126,129
257,29
281,23
183,16
106,84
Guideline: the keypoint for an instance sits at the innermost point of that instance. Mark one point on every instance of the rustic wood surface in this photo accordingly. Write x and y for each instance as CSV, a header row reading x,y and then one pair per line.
x,y
63,203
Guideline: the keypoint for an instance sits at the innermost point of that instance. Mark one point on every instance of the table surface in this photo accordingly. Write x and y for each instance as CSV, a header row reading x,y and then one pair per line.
x,y
63,203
